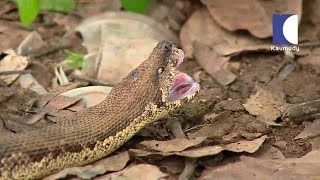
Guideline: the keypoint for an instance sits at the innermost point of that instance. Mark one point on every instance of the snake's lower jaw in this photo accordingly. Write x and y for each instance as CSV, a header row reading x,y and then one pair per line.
x,y
183,86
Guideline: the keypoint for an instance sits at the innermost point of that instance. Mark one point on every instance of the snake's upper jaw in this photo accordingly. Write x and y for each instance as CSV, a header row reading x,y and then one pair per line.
x,y
179,57
183,86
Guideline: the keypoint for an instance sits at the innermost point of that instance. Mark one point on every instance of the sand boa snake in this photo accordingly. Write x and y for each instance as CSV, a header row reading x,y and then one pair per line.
x,y
146,94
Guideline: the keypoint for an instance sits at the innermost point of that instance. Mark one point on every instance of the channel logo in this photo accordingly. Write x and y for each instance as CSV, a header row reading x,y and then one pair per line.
x,y
285,29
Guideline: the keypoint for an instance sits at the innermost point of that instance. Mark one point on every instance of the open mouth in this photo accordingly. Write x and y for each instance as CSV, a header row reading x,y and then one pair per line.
x,y
182,85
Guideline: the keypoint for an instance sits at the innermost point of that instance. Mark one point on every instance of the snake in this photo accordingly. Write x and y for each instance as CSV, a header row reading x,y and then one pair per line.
x,y
148,93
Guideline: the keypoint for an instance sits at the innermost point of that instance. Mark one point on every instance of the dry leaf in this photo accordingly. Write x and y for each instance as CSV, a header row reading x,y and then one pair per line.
x,y
27,81
90,96
222,125
11,34
178,144
309,27
268,152
202,28
12,62
208,59
230,104
54,106
224,77
213,63
241,146
312,59
136,172
311,130
266,104
245,14
255,16
246,146
60,102
306,167
173,165
117,42
31,44
112,163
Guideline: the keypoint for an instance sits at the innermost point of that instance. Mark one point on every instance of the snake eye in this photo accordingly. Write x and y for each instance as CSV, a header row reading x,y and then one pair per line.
x,y
160,70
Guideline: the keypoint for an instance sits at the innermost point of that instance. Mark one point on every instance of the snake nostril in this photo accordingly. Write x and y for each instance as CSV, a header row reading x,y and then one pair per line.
x,y
165,45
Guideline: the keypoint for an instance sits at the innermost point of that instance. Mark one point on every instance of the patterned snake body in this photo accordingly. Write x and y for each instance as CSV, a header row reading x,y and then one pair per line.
x,y
142,97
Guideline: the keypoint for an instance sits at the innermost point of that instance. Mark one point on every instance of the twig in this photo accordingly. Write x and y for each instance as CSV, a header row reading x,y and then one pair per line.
x,y
52,47
188,171
90,80
308,44
297,112
4,73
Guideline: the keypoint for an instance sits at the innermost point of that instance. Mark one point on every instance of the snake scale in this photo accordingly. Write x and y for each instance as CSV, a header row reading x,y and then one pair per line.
x,y
145,95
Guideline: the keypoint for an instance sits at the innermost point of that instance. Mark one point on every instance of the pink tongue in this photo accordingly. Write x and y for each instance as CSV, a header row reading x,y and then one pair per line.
x,y
179,79
182,86
182,89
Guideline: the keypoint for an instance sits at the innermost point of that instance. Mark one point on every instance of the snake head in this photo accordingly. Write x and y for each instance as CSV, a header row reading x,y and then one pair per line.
x,y
173,86
156,81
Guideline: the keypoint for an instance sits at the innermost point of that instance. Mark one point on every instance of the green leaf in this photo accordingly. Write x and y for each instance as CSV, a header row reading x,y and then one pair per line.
x,y
74,60
57,5
28,10
138,6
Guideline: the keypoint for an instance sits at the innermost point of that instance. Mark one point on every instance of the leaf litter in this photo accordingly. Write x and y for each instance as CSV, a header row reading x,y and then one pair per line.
x,y
112,163
241,146
253,16
305,167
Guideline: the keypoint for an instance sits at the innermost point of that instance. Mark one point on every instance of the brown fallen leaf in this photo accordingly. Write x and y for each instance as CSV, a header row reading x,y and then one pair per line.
x,y
31,44
178,144
224,77
14,124
311,130
230,104
117,42
136,172
112,163
306,167
172,165
310,25
6,7
90,96
213,63
217,129
268,152
61,102
241,146
208,59
12,62
53,108
267,104
254,16
312,59
11,34
315,142
200,27
246,146
244,14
